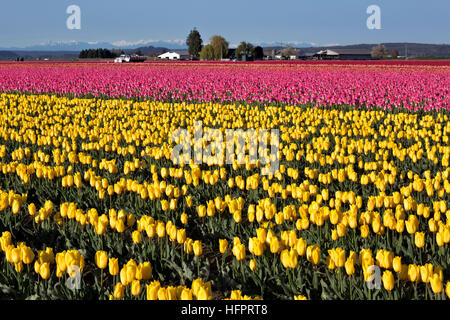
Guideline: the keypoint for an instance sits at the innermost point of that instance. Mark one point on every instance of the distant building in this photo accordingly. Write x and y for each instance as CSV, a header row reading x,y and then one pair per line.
x,y
271,53
307,56
122,58
343,54
175,55
354,54
275,53
327,55
128,58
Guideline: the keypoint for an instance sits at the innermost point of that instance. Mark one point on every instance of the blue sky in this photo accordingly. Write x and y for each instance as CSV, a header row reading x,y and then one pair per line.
x,y
323,22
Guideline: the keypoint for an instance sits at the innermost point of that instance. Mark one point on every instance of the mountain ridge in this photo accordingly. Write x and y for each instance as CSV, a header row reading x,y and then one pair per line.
x,y
412,49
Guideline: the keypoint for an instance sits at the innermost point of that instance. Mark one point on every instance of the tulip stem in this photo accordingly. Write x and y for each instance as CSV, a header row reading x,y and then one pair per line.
x,y
101,282
291,282
198,267
351,285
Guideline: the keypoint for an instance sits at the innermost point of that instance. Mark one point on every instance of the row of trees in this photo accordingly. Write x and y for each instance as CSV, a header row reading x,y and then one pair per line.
x,y
218,48
99,53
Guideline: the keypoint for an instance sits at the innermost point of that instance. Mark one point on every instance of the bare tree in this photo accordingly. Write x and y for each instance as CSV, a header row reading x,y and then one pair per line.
x,y
380,52
288,51
394,53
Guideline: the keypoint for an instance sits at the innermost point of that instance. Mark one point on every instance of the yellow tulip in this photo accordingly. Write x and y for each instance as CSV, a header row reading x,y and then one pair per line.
x,y
32,209
252,265
197,247
27,255
436,283
184,218
101,259
397,264
181,236
119,291
146,270
15,207
349,266
339,257
275,244
113,266
162,294
44,270
136,236
161,229
223,245
16,255
419,239
135,287
388,280
201,211
186,294
152,290
202,294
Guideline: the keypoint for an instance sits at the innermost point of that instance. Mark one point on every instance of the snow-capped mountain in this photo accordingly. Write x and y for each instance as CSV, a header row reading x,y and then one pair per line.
x,y
78,45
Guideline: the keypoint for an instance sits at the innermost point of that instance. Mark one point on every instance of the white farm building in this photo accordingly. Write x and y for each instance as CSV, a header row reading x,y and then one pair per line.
x,y
174,55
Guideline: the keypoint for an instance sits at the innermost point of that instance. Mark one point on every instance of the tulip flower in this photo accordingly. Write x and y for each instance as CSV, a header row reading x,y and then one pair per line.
x,y
388,280
113,266
184,218
101,259
152,290
44,270
252,265
186,294
223,245
27,255
419,239
349,267
135,287
197,247
119,291
339,259
136,236
436,283
397,264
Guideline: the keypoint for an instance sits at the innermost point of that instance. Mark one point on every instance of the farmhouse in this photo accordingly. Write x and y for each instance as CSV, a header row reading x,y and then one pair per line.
x,y
175,55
